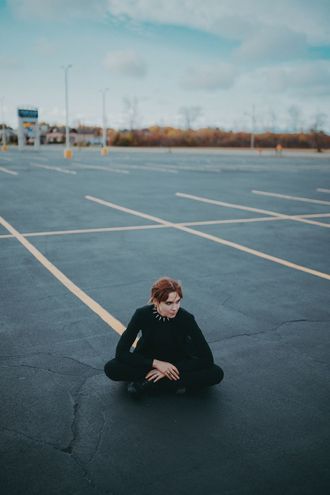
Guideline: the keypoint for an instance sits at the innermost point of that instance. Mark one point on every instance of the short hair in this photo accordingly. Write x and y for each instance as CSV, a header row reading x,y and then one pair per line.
x,y
162,287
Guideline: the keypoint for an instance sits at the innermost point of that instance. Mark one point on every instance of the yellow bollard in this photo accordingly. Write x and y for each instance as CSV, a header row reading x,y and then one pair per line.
x,y
68,154
104,151
4,147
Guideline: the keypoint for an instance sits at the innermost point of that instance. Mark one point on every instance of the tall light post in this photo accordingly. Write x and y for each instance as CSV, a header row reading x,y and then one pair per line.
x,y
253,125
104,150
67,151
4,146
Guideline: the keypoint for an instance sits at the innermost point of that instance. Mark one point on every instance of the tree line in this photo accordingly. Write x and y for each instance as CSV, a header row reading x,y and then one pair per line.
x,y
214,137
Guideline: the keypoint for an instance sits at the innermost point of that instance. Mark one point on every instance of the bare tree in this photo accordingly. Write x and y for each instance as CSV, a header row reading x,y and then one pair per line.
x,y
320,119
316,130
272,120
190,115
131,111
294,117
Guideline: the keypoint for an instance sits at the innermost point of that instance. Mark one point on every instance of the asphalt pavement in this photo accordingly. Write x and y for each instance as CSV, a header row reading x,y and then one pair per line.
x,y
81,242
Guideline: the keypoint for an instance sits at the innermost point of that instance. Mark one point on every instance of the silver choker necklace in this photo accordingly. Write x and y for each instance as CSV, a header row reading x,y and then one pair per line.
x,y
158,316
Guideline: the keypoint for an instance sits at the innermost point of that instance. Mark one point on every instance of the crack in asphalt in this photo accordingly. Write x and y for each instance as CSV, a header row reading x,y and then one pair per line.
x,y
33,439
39,368
273,329
55,447
99,439
17,356
75,400
69,449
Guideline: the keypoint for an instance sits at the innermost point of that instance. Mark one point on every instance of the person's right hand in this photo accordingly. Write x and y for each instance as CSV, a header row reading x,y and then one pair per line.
x,y
169,370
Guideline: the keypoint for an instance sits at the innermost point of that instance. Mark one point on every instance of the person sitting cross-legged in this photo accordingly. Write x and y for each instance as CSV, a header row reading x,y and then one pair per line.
x,y
171,354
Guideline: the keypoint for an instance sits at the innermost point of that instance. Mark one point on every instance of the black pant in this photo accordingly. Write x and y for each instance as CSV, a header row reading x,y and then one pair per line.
x,y
117,371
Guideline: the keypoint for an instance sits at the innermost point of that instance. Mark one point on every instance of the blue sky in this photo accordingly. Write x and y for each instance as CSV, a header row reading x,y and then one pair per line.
x,y
216,59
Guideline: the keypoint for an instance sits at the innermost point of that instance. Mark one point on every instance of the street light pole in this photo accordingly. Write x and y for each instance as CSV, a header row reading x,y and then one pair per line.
x,y
253,123
67,151
104,150
4,144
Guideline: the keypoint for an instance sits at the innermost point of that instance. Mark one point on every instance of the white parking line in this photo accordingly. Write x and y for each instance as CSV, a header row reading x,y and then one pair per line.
x,y
40,158
296,218
56,169
293,198
153,169
80,294
213,238
6,171
85,231
319,189
99,167
157,226
6,158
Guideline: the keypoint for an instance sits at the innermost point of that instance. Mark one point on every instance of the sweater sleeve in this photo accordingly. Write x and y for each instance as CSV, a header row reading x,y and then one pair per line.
x,y
123,353
197,350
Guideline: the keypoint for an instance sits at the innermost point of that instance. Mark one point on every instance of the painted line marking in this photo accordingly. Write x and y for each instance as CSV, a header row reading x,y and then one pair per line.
x,y
135,167
153,169
293,198
6,171
296,218
153,226
6,158
213,238
99,167
56,169
115,324
86,231
134,227
40,158
323,190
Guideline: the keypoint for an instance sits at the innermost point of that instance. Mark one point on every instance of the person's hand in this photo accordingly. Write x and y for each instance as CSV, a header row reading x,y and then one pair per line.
x,y
154,375
169,370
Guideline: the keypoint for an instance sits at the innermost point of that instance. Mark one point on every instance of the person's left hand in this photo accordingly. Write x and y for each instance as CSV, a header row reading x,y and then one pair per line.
x,y
154,375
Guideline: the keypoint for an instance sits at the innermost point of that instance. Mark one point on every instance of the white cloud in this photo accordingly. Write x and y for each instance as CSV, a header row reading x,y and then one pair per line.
x,y
44,47
232,18
272,45
58,9
209,77
9,63
125,63
309,77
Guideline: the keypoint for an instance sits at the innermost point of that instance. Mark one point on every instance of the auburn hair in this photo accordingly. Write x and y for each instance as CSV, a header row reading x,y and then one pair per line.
x,y
162,287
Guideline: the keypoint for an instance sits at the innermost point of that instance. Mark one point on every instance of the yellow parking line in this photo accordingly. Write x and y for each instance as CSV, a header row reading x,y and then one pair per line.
x,y
296,218
213,238
6,171
115,324
293,198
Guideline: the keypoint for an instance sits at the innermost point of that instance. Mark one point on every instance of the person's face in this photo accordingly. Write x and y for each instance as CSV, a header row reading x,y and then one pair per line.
x,y
170,307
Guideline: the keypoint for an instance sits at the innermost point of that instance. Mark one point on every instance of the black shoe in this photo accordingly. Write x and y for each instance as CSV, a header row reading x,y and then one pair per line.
x,y
137,389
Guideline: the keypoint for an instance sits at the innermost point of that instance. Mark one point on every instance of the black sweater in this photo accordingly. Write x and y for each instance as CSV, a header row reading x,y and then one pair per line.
x,y
176,340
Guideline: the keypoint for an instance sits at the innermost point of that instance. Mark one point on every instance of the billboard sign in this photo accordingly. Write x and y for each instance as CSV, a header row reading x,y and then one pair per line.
x,y
28,129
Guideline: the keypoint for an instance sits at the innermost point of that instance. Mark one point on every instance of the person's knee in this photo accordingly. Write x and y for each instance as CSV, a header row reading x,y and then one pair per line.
x,y
111,370
218,374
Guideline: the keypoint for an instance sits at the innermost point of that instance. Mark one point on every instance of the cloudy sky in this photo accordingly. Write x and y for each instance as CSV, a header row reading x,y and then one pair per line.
x,y
219,60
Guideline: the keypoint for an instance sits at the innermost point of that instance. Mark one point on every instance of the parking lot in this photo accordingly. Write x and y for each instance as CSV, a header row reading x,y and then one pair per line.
x,y
81,242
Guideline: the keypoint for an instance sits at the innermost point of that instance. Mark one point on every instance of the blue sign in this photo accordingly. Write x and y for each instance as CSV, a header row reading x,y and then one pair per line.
x,y
30,114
